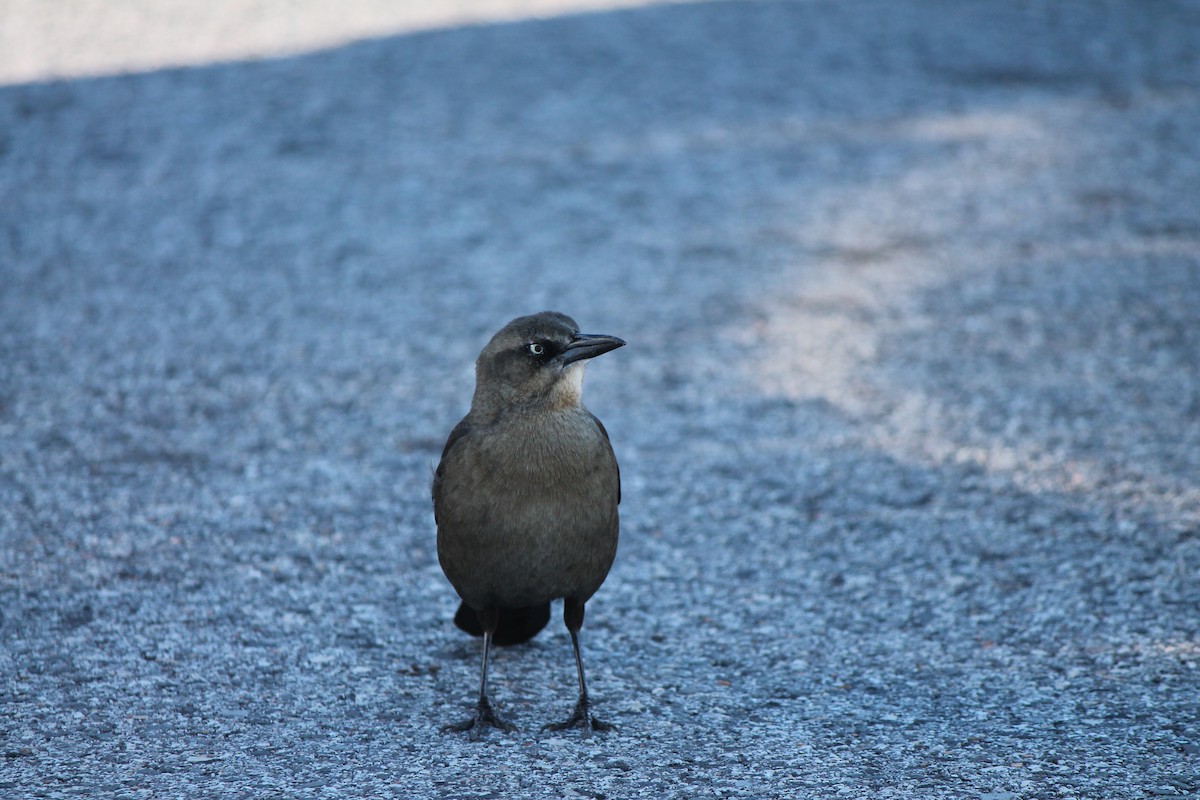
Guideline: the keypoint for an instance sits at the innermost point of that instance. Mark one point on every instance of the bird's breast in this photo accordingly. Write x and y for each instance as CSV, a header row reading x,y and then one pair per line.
x,y
529,510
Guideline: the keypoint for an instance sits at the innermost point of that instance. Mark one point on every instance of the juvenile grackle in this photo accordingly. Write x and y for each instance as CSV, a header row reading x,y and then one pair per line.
x,y
526,495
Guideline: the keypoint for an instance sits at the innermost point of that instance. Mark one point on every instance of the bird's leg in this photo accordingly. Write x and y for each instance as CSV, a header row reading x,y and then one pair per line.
x,y
582,716
485,714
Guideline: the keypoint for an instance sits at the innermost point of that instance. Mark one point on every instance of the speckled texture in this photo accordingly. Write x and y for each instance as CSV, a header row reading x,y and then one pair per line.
x,y
909,418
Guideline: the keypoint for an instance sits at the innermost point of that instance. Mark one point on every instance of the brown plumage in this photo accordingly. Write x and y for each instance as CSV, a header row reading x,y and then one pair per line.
x,y
526,495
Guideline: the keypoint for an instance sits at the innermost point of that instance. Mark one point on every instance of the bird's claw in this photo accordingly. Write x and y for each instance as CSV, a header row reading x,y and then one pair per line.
x,y
485,716
581,717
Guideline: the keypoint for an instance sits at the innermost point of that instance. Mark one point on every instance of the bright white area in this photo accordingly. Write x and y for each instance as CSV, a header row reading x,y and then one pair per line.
x,y
47,39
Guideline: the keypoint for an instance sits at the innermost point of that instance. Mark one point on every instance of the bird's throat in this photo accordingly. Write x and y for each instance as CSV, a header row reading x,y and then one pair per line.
x,y
568,389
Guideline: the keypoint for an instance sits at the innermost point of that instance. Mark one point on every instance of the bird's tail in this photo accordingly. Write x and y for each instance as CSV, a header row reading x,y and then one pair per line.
x,y
516,624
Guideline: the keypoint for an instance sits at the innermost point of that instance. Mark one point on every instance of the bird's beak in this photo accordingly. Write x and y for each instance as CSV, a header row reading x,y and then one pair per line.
x,y
588,345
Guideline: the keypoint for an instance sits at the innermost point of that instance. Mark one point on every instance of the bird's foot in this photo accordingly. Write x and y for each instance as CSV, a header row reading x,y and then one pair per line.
x,y
485,716
581,717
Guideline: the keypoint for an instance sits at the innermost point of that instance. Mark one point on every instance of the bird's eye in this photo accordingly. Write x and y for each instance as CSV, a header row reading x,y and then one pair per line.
x,y
537,348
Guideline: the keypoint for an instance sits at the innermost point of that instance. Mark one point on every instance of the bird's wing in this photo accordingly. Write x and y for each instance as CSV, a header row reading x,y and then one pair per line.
x,y
460,430
607,441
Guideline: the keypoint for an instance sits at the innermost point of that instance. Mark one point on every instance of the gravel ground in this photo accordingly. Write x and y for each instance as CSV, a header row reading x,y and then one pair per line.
x,y
909,419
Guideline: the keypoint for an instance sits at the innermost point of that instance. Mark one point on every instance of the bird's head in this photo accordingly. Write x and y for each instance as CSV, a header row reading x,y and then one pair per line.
x,y
538,359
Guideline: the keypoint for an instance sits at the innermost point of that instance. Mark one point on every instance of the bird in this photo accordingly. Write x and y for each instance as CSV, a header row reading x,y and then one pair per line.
x,y
525,499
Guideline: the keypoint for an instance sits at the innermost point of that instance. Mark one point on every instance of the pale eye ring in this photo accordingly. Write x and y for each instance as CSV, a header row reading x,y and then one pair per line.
x,y
537,348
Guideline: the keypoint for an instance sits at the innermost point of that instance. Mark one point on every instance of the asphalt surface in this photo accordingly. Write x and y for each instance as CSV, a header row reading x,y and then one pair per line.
x,y
909,418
